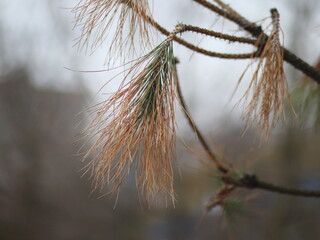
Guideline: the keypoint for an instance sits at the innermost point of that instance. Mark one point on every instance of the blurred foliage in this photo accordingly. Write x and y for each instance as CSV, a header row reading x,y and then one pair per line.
x,y
306,101
232,207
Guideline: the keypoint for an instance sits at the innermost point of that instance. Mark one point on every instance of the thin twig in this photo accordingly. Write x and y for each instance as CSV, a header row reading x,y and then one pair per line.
x,y
247,181
251,181
217,34
197,49
222,167
223,193
164,31
257,32
227,8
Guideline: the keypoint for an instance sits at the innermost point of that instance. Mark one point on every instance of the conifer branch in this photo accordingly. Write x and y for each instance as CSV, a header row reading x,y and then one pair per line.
x,y
231,38
245,180
136,125
256,31
220,166
198,49
251,181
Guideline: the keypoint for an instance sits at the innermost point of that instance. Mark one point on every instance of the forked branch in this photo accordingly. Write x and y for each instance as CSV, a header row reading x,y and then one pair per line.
x,y
245,180
256,31
198,49
144,136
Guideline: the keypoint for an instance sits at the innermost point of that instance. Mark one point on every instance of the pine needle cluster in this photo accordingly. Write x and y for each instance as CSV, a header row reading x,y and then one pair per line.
x,y
268,88
97,18
136,127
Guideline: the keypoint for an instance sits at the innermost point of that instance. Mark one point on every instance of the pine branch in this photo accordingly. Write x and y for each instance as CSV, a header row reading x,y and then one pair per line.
x,y
251,181
245,180
257,32
197,49
220,166
207,32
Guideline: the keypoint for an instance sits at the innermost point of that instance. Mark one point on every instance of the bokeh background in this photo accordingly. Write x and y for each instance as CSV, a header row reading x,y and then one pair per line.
x,y
43,92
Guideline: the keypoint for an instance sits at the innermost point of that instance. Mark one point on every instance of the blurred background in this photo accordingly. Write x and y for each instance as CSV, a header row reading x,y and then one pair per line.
x,y
43,192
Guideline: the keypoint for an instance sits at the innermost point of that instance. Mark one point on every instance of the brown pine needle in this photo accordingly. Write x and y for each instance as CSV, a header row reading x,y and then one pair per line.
x,y
136,128
268,86
96,18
